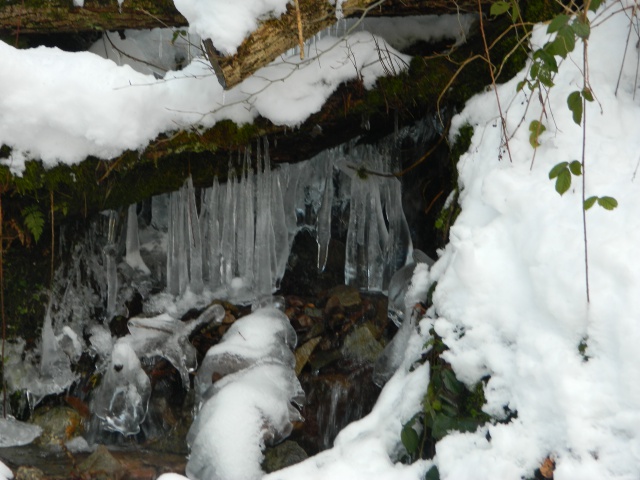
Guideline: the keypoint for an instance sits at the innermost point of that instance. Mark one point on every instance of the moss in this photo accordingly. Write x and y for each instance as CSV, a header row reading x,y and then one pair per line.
x,y
537,11
461,142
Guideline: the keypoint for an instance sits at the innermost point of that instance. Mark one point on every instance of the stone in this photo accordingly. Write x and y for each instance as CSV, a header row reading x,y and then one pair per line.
x,y
283,455
361,346
102,465
59,425
29,473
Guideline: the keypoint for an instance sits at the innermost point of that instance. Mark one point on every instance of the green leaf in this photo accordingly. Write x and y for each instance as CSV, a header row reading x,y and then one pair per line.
x,y
535,69
563,182
546,78
443,425
410,439
547,59
520,85
574,101
515,12
594,5
499,8
581,28
576,168
608,203
588,203
557,23
536,128
452,383
555,171
587,94
563,44
34,221
432,474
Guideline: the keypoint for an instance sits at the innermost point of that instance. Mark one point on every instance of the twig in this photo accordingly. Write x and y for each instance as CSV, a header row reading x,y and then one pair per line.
x,y
300,34
585,78
493,82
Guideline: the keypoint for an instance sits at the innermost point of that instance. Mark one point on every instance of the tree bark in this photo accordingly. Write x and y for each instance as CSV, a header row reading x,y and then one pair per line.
x,y
60,16
276,36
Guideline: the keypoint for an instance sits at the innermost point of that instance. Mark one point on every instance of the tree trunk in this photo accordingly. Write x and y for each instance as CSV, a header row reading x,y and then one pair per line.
x,y
276,36
60,16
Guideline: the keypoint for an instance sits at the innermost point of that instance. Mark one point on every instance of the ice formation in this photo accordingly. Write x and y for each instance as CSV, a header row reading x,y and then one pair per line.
x,y
249,223
400,283
120,401
133,257
166,337
14,433
415,291
52,374
246,385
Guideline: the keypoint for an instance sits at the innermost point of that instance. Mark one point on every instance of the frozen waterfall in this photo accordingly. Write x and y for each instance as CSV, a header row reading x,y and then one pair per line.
x,y
235,238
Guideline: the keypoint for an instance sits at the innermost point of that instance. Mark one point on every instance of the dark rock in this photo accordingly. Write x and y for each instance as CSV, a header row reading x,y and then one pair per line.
x,y
59,425
29,473
283,455
361,346
102,465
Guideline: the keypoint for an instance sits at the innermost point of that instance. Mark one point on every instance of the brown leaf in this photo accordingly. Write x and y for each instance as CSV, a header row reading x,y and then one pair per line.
x,y
547,468
304,352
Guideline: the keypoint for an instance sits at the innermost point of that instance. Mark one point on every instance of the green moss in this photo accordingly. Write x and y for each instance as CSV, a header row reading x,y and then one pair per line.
x,y
537,11
461,142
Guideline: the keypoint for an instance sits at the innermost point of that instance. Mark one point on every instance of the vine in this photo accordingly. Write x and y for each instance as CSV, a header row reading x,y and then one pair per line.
x,y
570,27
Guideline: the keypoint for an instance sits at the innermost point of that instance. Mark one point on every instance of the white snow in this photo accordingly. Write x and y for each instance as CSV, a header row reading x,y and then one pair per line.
x,y
511,283
62,107
228,23
510,301
5,472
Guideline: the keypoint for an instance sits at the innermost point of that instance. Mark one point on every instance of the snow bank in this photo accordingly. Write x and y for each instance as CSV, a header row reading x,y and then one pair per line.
x,y
511,288
61,107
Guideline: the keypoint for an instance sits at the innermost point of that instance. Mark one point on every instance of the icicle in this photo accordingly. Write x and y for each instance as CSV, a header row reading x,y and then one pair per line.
x,y
195,240
351,255
172,248
241,231
264,230
181,242
111,266
375,261
249,219
213,243
281,234
132,256
398,246
228,246
323,221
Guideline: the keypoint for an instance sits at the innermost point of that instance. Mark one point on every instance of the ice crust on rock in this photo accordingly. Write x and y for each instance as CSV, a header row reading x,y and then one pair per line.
x,y
414,290
121,400
164,336
14,433
245,386
265,334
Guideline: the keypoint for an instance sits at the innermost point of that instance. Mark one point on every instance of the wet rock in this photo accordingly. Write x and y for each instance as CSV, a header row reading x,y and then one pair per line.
x,y
360,346
29,473
283,455
303,353
59,425
102,465
341,298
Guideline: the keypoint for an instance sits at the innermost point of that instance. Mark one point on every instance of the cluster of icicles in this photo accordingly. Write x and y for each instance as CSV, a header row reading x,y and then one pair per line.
x,y
238,242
